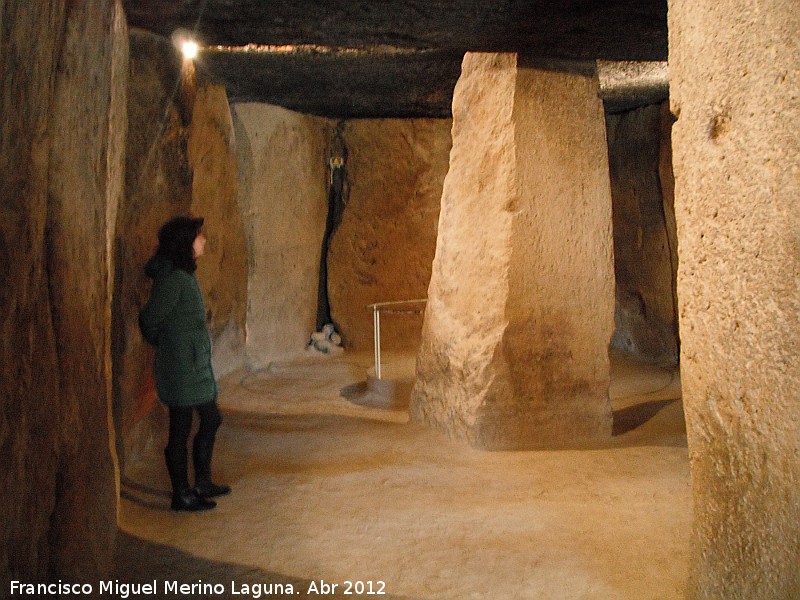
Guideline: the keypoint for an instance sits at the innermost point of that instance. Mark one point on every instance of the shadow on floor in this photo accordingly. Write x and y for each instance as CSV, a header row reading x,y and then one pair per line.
x,y
382,394
628,419
131,487
354,391
138,561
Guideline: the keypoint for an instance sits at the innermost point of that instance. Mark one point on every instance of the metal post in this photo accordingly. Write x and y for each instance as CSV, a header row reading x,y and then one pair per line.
x,y
391,307
375,338
377,342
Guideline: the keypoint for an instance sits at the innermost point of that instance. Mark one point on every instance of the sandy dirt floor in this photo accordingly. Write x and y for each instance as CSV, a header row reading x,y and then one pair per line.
x,y
327,488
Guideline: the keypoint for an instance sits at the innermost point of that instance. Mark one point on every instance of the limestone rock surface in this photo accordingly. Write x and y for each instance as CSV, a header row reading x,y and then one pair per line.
x,y
222,272
645,248
61,179
283,161
356,59
383,249
158,186
514,348
549,28
737,205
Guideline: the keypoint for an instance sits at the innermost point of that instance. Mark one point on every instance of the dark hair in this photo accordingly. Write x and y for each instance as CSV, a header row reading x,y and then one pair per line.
x,y
175,241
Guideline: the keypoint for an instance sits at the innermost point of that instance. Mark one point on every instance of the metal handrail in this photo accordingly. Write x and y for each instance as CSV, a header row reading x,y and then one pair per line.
x,y
388,307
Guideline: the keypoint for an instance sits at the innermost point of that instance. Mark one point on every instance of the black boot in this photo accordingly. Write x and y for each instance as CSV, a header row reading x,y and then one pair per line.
x,y
184,498
209,489
189,500
202,449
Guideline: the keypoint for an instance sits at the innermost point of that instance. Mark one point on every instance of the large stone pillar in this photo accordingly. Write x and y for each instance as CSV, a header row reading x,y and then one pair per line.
x,y
63,84
521,300
735,84
158,185
222,273
645,250
87,175
282,158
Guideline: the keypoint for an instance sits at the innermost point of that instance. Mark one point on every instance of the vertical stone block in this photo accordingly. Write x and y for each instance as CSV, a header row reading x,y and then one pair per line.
x,y
222,272
645,250
520,312
735,83
158,185
29,437
283,161
87,159
181,159
63,68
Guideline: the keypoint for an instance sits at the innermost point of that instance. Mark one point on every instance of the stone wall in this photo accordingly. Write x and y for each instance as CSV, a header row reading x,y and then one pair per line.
x,y
735,84
383,249
283,162
181,160
158,185
63,73
222,271
520,312
645,249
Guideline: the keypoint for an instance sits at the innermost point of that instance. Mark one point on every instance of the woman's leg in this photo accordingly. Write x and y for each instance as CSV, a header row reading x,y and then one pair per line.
x,y
203,449
180,424
175,454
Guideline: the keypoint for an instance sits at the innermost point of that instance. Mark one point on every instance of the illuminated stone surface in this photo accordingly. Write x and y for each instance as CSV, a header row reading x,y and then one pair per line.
x,y
520,312
61,180
283,197
222,272
384,247
737,204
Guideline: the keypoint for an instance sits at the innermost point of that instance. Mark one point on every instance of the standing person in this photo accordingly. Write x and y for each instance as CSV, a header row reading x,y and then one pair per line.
x,y
174,321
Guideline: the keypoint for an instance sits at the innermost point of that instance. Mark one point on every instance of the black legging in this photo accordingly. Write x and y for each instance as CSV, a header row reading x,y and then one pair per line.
x,y
180,426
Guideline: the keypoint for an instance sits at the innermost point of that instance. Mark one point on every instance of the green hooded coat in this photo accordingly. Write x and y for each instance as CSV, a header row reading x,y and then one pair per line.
x,y
173,320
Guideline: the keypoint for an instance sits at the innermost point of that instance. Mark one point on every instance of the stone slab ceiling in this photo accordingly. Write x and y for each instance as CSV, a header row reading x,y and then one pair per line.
x,y
395,58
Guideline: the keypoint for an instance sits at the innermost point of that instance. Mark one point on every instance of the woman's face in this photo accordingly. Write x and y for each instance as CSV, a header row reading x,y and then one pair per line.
x,y
199,245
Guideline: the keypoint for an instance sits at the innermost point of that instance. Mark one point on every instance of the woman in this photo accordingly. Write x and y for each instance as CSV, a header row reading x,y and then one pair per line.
x,y
173,320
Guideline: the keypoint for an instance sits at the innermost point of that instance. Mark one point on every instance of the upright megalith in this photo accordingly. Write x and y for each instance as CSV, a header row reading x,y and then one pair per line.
x,y
645,250
521,301
181,158
222,272
63,81
282,172
158,185
735,81
87,175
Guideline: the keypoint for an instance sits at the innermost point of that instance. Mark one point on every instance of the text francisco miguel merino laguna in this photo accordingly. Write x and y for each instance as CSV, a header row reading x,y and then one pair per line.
x,y
123,590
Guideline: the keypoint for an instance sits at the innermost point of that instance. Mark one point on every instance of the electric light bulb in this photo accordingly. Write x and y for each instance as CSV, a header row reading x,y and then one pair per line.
x,y
189,49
